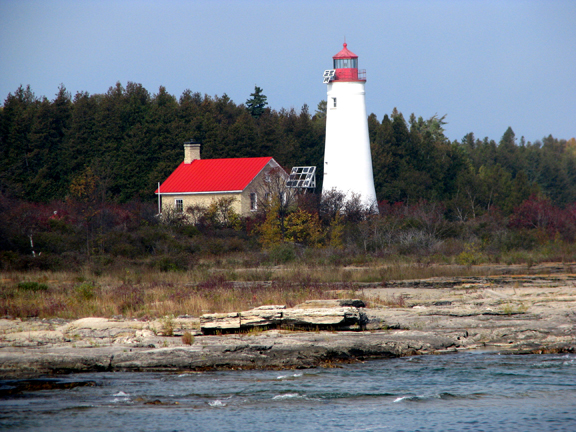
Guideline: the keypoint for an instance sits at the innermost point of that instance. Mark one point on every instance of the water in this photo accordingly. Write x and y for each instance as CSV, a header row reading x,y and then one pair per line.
x,y
461,392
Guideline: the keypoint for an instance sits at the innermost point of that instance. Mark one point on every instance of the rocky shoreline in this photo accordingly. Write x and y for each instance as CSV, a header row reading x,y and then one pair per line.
x,y
510,314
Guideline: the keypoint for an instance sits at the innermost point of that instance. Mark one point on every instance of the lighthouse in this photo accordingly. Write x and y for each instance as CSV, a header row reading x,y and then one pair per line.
x,y
347,157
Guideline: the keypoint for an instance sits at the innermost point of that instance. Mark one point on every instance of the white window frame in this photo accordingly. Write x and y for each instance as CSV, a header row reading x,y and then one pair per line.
x,y
179,205
253,201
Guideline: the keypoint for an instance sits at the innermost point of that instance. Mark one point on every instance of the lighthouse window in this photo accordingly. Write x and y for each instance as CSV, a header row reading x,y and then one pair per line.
x,y
333,102
346,63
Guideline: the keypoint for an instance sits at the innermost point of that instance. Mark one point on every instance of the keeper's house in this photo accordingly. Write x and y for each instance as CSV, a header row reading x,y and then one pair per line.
x,y
199,182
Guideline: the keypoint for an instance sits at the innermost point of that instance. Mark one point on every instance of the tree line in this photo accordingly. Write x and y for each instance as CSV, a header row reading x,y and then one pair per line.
x,y
128,139
119,144
77,176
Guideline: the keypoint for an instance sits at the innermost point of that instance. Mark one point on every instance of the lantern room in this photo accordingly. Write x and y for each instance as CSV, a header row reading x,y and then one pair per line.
x,y
346,66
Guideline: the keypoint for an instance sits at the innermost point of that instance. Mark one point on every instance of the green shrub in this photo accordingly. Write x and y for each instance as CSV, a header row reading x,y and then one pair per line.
x,y
189,230
173,262
103,260
9,260
55,242
168,325
470,256
515,240
32,286
85,291
60,226
155,239
282,253
43,261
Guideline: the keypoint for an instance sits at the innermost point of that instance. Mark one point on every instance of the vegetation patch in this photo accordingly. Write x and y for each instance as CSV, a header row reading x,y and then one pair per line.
x,y
32,286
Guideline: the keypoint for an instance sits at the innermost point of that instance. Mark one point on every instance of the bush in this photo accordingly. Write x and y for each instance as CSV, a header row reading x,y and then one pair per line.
x,y
470,256
187,338
416,242
514,240
168,325
175,262
9,260
85,291
539,213
32,286
282,253
189,230
39,262
56,242
119,243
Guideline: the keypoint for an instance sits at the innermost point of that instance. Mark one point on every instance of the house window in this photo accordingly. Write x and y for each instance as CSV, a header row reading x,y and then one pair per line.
x,y
282,198
253,201
267,197
179,206
333,102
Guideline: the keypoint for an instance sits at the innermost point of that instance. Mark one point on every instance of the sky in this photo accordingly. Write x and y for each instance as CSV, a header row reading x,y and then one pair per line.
x,y
485,64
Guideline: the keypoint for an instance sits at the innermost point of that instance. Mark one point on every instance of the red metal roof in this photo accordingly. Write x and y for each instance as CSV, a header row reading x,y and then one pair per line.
x,y
345,53
214,175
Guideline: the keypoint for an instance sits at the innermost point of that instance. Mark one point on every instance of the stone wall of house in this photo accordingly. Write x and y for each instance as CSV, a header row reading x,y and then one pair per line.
x,y
202,200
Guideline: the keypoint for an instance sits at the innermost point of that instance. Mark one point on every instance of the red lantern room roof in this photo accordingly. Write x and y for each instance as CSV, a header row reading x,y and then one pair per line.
x,y
345,53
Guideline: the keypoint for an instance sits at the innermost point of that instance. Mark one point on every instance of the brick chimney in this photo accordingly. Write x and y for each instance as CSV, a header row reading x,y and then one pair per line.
x,y
191,151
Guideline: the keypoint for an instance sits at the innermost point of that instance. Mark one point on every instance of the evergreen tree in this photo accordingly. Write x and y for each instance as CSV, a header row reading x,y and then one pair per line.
x,y
48,179
508,153
16,122
321,109
256,103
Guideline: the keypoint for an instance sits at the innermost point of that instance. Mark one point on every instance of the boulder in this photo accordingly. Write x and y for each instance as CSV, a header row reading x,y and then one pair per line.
x,y
336,317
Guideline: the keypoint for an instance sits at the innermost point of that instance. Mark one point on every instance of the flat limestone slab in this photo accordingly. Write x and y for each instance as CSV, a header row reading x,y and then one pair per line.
x,y
345,318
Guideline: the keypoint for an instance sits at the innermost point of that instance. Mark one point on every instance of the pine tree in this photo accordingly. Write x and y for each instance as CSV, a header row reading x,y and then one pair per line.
x,y
257,103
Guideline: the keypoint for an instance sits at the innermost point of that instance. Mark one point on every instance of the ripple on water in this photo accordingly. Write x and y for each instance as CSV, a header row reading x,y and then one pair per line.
x,y
294,375
287,396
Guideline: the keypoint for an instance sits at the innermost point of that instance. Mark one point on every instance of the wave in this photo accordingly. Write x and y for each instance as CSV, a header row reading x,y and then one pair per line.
x,y
400,399
441,396
296,375
287,396
554,362
351,396
121,397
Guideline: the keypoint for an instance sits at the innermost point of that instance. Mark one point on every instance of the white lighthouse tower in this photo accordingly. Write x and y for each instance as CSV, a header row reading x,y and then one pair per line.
x,y
347,157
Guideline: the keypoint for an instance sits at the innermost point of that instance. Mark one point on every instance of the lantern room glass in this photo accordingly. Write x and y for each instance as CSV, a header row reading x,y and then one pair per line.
x,y
346,63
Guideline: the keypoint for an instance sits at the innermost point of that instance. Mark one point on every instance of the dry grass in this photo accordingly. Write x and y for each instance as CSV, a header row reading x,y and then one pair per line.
x,y
378,272
146,295
211,287
393,301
